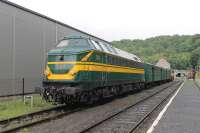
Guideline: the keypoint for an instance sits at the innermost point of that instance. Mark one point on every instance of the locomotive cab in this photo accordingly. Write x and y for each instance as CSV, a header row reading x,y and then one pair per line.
x,y
61,61
73,44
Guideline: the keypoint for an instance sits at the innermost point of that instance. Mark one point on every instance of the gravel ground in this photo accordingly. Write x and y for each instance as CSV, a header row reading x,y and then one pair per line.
x,y
75,122
148,122
128,119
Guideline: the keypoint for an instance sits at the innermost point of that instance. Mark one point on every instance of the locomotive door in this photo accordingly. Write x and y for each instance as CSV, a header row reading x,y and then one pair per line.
x,y
153,74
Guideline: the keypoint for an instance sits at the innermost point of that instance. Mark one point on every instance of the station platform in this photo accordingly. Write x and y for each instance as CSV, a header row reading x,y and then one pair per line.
x,y
198,81
183,115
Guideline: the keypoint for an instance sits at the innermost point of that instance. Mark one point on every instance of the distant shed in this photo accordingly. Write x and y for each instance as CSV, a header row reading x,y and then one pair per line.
x,y
163,63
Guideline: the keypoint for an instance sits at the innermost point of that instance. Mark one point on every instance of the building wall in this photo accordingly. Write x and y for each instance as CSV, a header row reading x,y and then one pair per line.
x,y
25,38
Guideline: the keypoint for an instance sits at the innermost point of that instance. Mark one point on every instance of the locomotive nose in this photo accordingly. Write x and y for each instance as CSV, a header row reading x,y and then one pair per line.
x,y
60,68
60,64
59,71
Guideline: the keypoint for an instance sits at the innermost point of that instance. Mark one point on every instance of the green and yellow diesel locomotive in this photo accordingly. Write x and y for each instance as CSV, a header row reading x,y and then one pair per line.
x,y
81,69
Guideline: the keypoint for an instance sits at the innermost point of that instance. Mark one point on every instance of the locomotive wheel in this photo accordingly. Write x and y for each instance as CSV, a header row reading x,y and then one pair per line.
x,y
115,91
84,98
69,100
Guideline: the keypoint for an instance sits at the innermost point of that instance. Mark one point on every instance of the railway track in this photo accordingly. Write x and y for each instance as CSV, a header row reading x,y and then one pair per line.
x,y
131,117
27,120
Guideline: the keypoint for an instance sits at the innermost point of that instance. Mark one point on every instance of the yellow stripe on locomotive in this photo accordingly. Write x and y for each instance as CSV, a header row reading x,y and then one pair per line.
x,y
86,65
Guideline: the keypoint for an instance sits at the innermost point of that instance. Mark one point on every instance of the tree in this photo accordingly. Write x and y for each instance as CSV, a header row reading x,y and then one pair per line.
x,y
195,57
182,52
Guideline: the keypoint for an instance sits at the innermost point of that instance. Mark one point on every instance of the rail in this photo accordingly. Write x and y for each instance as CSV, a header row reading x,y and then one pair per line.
x,y
139,121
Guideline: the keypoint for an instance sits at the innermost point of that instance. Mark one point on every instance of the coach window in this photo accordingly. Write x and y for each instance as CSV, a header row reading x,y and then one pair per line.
x,y
99,45
104,47
96,45
108,47
93,46
135,58
114,50
111,48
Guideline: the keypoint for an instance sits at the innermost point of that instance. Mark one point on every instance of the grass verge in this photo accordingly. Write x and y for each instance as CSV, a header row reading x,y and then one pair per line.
x,y
15,107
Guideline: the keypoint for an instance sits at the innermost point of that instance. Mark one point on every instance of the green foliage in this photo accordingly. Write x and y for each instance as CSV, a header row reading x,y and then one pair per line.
x,y
195,57
180,51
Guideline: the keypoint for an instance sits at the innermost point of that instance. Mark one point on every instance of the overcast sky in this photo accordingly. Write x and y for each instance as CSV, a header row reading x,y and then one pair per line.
x,y
123,19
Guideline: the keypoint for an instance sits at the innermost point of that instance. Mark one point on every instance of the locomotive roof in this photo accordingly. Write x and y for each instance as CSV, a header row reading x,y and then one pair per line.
x,y
107,48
